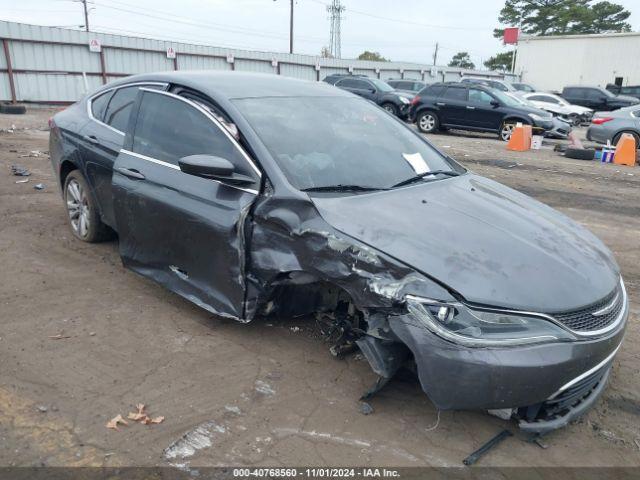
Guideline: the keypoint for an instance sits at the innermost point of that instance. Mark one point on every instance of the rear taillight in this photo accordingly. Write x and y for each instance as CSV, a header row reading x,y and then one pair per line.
x,y
600,121
415,100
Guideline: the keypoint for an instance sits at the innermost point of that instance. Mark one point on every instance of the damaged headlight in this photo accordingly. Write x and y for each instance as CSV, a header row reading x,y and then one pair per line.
x,y
483,328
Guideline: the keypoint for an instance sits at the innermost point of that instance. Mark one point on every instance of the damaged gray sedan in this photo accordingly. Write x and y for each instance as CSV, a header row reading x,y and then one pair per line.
x,y
252,195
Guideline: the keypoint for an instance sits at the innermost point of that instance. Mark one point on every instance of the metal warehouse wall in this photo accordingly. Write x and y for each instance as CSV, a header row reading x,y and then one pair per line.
x,y
49,65
550,63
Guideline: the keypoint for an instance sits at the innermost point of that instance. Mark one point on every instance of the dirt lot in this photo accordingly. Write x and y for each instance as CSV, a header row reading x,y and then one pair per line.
x,y
262,393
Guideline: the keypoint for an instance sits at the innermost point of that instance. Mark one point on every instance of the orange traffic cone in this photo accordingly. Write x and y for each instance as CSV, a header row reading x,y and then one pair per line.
x,y
625,150
520,140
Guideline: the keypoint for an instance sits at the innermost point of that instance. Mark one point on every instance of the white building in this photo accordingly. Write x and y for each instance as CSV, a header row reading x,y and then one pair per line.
x,y
550,63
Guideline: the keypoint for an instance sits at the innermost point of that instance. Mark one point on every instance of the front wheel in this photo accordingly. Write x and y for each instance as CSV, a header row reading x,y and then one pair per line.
x,y
82,210
506,131
575,119
427,122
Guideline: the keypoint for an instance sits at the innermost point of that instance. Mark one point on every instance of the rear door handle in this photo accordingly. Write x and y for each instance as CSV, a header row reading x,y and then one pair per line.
x,y
470,107
91,139
131,173
440,104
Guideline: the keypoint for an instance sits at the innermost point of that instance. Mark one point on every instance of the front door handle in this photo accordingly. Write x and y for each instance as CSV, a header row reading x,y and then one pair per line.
x,y
131,173
91,139
440,104
469,107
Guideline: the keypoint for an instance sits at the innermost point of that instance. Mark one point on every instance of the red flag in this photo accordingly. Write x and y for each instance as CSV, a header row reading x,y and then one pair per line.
x,y
511,35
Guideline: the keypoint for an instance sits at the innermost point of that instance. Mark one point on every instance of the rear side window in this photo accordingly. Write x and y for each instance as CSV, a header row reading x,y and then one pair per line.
x,y
432,90
120,107
574,92
99,105
168,129
456,93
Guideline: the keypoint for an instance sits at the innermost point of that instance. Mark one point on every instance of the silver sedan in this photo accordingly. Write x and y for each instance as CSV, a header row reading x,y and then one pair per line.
x,y
609,126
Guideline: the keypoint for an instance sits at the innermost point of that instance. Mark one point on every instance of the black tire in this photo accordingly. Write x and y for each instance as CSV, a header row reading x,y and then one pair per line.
x,y
12,109
616,139
427,122
580,153
82,210
391,108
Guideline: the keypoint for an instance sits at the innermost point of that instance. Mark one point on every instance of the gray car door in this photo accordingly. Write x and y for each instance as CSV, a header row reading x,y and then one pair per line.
x,y
182,230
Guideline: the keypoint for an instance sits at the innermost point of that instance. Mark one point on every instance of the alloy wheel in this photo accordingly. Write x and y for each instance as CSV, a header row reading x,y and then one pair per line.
x,y
78,208
427,122
507,130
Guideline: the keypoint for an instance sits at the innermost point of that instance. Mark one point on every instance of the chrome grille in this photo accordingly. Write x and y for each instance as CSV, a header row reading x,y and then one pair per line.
x,y
596,316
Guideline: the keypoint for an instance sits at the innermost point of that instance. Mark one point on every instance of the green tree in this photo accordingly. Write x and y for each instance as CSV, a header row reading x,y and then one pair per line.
x,y
500,62
563,17
373,56
462,60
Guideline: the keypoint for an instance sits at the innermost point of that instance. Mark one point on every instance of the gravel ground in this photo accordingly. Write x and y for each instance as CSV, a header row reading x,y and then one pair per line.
x,y
82,340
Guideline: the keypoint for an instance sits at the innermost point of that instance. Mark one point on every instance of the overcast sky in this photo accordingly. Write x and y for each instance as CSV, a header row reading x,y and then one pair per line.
x,y
403,30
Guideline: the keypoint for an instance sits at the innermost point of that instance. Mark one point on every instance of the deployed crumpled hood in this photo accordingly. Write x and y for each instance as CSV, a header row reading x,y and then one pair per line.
x,y
491,244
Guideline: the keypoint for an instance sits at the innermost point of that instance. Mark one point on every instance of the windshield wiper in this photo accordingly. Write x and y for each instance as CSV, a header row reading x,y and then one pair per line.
x,y
342,188
450,173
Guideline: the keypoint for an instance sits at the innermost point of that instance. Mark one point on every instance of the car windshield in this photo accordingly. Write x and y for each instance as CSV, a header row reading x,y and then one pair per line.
x,y
607,92
380,85
340,141
506,99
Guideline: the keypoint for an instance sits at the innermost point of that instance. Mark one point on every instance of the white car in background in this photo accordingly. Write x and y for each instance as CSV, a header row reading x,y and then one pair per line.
x,y
574,114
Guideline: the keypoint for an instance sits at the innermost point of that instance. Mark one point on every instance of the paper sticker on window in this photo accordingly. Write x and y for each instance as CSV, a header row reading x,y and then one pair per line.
x,y
417,162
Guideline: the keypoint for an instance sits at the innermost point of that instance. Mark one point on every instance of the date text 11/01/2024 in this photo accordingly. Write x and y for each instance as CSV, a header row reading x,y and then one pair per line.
x,y
316,472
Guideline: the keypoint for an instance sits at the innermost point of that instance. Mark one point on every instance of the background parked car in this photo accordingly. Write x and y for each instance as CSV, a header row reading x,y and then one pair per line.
x,y
596,98
473,107
630,90
524,87
394,102
334,77
574,114
407,86
560,128
609,126
489,82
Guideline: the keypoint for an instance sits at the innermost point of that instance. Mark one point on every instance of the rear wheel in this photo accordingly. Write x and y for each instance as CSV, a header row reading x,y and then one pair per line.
x,y
427,122
82,210
391,108
616,139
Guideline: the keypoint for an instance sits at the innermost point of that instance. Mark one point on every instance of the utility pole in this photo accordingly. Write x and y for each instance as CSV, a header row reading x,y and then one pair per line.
x,y
86,15
291,29
435,54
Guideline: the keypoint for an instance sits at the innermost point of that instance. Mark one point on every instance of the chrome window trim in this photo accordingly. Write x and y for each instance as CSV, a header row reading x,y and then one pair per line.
x,y
107,90
215,121
176,167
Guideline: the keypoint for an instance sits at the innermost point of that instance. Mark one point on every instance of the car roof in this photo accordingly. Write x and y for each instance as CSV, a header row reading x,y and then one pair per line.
x,y
217,84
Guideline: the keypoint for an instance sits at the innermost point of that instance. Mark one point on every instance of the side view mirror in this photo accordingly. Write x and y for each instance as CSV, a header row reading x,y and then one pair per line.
x,y
209,166
372,90
495,103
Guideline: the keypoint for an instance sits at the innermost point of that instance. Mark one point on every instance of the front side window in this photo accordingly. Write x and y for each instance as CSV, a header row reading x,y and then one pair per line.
x,y
380,85
169,129
479,96
328,141
99,105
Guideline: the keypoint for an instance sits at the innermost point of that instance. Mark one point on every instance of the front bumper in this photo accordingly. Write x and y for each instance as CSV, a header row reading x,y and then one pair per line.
x,y
516,378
